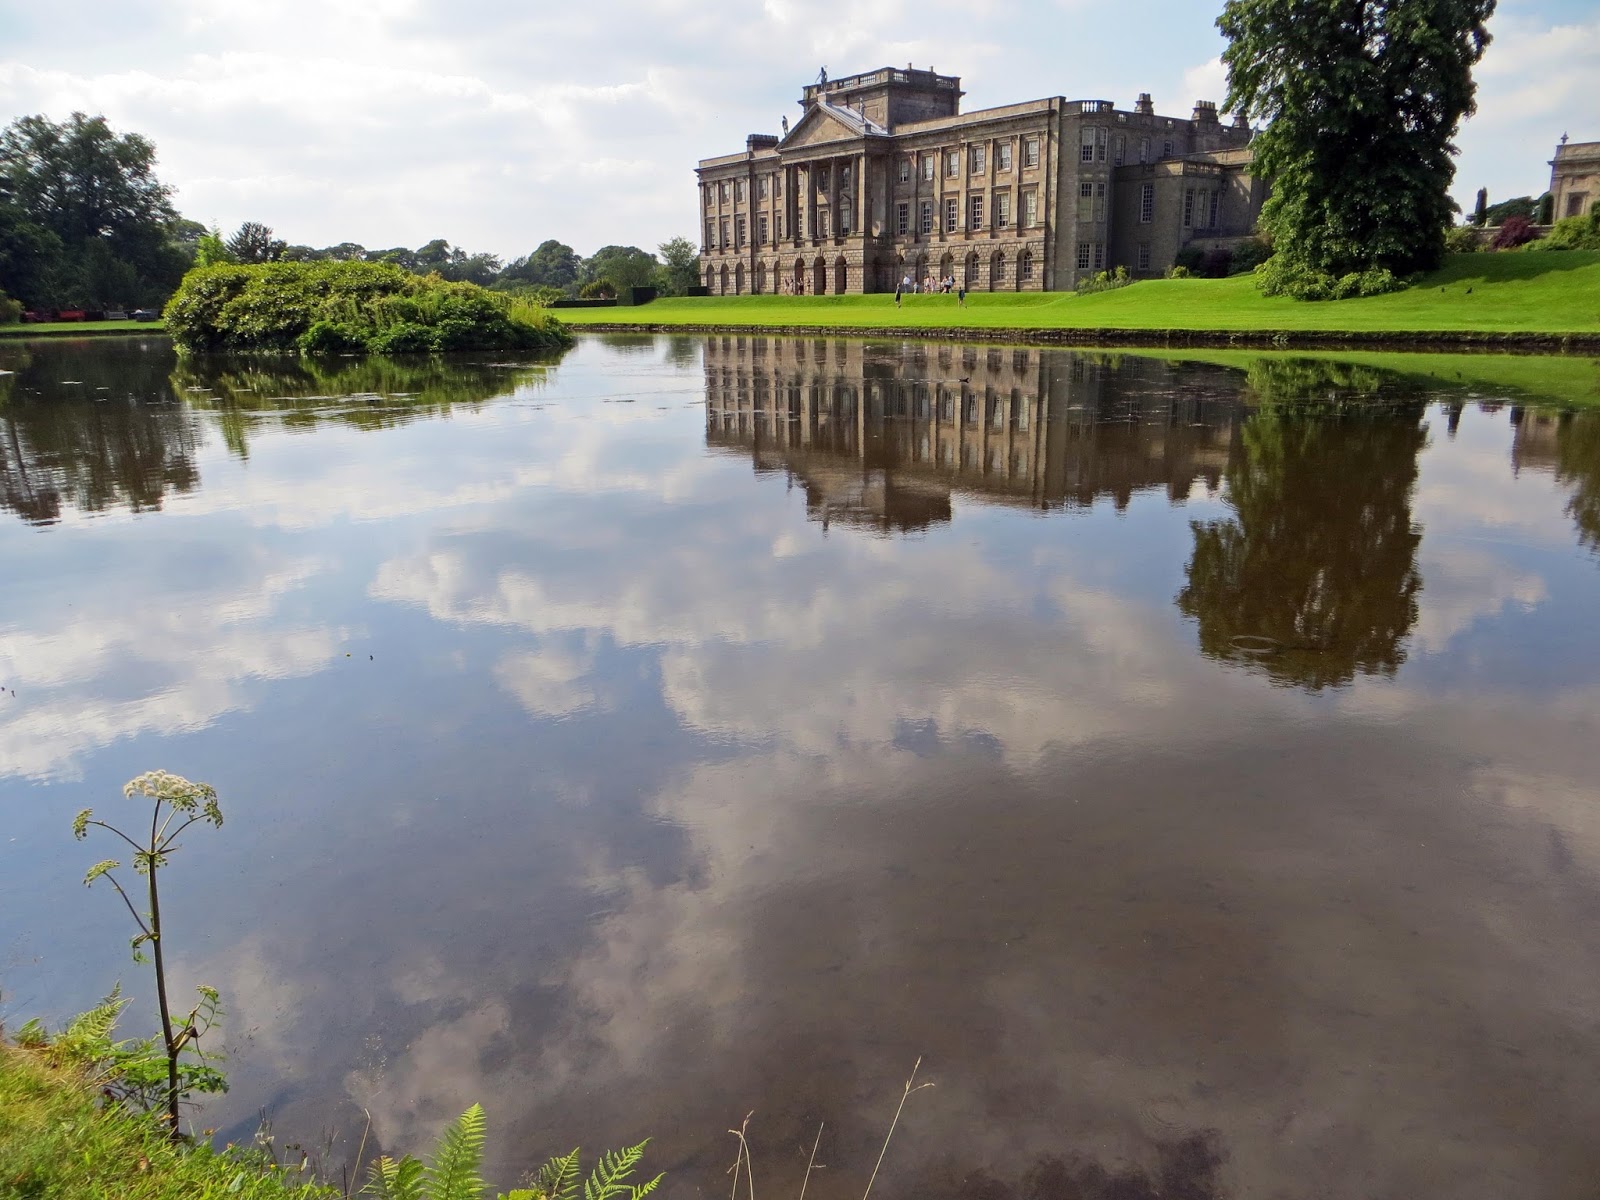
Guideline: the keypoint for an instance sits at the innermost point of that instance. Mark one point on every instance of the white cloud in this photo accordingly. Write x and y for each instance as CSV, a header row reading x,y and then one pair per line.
x,y
103,670
1208,81
1536,82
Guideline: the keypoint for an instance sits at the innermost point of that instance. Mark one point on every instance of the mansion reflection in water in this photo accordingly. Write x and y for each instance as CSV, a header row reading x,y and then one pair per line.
x,y
881,437
1308,571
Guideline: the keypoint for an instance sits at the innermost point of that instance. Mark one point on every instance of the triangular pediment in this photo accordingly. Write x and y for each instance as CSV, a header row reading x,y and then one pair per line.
x,y
818,125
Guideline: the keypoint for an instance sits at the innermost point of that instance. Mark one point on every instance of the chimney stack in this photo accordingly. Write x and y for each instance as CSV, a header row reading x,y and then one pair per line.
x,y
1205,112
1144,107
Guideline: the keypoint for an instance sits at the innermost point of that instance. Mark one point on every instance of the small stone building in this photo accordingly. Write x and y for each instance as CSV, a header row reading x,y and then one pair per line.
x,y
883,178
1575,178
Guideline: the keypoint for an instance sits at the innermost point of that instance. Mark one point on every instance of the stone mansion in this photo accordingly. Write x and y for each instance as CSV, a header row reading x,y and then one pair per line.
x,y
883,177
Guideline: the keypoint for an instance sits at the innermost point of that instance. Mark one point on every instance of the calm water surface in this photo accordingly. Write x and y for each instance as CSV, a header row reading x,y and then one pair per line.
x,y
1197,765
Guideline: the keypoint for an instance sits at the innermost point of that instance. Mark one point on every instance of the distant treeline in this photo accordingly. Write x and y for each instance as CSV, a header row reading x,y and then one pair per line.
x,y
85,223
554,267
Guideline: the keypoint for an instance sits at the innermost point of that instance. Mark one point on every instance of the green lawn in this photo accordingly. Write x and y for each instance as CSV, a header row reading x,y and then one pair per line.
x,y
69,328
1555,292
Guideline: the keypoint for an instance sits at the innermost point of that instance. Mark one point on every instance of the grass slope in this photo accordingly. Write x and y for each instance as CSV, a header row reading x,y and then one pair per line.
x,y
1557,292
55,1144
74,328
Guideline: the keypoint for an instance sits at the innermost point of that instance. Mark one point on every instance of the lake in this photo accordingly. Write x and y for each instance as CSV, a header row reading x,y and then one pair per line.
x,y
1194,763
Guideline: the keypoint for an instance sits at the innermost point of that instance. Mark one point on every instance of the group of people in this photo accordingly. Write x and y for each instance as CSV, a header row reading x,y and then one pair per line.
x,y
929,285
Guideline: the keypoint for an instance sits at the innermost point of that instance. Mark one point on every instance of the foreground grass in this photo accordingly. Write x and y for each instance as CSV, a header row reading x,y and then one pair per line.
x,y
69,328
56,1144
1556,292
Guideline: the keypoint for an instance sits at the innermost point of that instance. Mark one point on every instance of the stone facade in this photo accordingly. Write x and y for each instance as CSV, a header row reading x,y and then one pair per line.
x,y
883,177
1575,178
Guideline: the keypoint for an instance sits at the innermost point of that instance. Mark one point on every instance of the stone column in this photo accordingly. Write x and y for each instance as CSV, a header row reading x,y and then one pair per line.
x,y
791,182
811,201
861,202
833,198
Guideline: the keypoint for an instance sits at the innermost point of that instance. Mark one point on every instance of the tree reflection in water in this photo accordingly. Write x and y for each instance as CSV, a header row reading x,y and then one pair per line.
x,y
102,423
1567,445
1314,578
92,432
1579,466
374,392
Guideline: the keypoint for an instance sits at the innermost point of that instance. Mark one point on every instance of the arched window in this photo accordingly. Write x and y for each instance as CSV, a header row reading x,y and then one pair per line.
x,y
1025,267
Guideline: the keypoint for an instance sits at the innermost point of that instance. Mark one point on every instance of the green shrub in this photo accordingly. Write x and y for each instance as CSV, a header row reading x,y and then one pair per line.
x,y
1191,259
331,337
1178,271
1572,233
1461,239
1105,281
1282,276
598,289
10,310
331,307
403,337
1249,254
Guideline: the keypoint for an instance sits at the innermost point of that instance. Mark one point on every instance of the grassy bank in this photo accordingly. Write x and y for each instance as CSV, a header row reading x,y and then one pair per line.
x,y
79,328
57,1144
1504,294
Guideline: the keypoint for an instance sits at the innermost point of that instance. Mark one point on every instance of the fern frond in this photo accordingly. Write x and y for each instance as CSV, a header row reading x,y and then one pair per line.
x,y
639,1193
453,1173
391,1180
559,1178
610,1174
87,1037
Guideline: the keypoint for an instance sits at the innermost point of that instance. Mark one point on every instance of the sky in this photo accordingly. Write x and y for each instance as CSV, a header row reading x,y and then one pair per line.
x,y
497,125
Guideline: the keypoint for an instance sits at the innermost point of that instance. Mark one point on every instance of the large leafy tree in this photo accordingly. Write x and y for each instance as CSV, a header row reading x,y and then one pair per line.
x,y
680,266
554,264
621,266
1362,100
95,192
